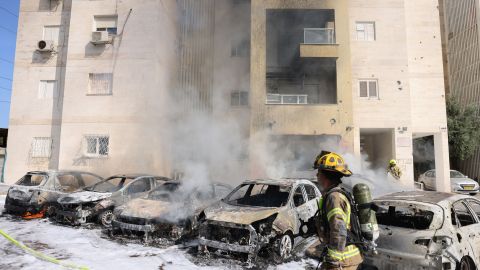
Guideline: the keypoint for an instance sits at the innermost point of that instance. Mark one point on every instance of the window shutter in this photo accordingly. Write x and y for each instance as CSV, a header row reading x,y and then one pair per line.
x,y
363,89
370,31
51,32
105,21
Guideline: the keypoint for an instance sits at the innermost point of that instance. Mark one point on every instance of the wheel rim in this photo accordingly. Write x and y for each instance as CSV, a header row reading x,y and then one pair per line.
x,y
285,246
464,265
107,218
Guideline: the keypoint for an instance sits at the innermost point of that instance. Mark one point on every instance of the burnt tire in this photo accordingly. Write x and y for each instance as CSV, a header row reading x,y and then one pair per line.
x,y
283,248
51,210
466,264
105,218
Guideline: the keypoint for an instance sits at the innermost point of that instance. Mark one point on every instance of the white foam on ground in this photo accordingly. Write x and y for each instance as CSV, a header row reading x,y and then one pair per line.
x,y
86,247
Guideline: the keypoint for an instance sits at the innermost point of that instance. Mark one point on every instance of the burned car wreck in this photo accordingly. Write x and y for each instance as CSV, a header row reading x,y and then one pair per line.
x,y
97,202
170,211
36,193
427,230
260,215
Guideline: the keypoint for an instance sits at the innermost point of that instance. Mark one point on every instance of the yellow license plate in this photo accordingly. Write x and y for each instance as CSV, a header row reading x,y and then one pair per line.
x,y
468,187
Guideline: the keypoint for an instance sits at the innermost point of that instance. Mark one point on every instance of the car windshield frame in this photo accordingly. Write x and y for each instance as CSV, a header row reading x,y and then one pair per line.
x,y
42,183
436,222
281,203
124,180
164,189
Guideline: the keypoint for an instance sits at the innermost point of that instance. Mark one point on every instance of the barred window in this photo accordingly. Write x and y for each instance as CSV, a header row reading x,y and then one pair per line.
x,y
100,84
96,145
365,31
41,147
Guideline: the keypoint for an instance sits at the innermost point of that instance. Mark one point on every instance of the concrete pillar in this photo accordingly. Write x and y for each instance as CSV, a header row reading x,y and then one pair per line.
x,y
442,162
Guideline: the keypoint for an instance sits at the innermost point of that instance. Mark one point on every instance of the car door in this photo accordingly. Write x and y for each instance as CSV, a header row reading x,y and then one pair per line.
x,y
138,188
301,207
312,199
467,223
474,206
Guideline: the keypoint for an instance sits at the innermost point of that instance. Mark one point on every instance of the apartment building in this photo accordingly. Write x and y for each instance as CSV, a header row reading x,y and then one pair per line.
x,y
461,35
363,77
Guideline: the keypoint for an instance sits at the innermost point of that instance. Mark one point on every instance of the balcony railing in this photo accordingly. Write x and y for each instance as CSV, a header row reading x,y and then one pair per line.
x,y
319,36
287,99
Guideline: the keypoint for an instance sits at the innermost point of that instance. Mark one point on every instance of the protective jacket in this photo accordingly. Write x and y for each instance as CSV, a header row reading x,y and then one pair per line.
x,y
334,219
395,171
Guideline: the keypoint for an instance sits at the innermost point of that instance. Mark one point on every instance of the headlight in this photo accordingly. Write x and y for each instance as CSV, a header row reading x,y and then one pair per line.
x,y
264,226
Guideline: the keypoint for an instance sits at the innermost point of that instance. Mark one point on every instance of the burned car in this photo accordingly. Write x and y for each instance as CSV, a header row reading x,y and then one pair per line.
x,y
427,230
36,193
260,215
96,203
169,211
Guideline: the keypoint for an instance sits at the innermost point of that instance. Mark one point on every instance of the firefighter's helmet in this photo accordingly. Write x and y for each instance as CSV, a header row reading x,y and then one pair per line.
x,y
329,161
393,162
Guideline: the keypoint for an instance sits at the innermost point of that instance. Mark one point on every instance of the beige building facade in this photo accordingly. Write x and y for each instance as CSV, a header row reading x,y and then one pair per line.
x,y
359,77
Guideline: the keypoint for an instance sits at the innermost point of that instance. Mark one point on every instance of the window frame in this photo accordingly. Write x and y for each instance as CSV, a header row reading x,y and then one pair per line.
x,y
91,79
473,215
365,32
55,41
368,81
236,98
146,179
97,147
107,29
294,190
54,91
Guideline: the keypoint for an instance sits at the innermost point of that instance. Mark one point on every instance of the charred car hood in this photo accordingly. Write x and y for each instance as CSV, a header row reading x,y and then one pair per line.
x,y
21,193
83,197
148,209
238,214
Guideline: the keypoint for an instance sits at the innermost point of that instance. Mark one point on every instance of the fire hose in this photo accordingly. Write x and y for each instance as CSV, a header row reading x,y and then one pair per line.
x,y
41,256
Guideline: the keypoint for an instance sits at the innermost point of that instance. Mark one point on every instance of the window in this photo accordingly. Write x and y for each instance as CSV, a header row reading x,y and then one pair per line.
x,y
286,99
68,182
106,23
366,31
298,198
239,98
368,89
410,217
47,89
51,32
463,214
41,147
311,194
31,180
240,49
261,195
96,145
139,186
475,205
90,179
100,84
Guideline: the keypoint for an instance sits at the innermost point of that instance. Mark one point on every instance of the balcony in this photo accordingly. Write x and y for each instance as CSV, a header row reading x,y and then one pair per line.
x,y
319,42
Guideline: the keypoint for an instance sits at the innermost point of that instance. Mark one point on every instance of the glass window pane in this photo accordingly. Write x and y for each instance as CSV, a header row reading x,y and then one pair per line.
x,y
363,89
103,146
372,87
463,214
290,99
91,145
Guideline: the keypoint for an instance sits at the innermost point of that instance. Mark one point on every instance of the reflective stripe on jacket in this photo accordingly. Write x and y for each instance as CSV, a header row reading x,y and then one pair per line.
x,y
337,214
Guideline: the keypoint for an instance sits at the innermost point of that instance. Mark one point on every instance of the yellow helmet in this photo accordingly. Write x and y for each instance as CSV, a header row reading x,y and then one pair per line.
x,y
393,162
329,161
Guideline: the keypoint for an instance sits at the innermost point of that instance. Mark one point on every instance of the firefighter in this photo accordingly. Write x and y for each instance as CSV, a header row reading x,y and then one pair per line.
x,y
394,170
333,222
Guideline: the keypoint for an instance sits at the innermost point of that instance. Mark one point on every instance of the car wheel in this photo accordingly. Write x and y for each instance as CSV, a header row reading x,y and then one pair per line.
x,y
465,264
50,210
473,194
106,218
283,248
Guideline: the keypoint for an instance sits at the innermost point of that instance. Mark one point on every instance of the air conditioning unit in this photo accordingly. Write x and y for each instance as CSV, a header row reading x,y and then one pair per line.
x,y
45,46
100,37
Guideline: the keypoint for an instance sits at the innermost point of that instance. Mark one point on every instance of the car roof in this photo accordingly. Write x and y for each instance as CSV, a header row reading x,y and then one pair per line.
x,y
57,171
431,197
279,182
132,175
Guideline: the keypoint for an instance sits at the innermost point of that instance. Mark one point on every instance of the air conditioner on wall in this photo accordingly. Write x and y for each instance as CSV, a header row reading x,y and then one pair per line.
x,y
45,46
100,37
